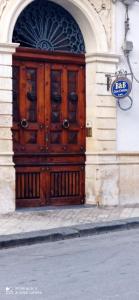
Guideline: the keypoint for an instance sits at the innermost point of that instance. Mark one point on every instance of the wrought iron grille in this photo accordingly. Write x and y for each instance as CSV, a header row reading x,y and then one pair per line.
x,y
46,25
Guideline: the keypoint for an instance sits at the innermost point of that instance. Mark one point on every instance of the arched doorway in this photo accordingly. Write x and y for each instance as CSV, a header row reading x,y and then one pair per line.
x,y
48,107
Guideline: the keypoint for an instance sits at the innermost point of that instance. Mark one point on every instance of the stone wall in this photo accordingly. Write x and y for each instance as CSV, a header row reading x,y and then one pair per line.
x,y
108,179
101,182
7,172
115,178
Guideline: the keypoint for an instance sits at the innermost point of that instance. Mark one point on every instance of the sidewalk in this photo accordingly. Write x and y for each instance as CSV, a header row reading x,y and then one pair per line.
x,y
73,221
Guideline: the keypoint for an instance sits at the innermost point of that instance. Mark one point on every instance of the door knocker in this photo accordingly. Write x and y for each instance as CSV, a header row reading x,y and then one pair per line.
x,y
65,124
24,123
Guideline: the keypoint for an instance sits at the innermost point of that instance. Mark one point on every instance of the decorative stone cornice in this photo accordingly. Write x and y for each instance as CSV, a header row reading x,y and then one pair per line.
x,y
104,11
8,47
103,58
112,158
3,4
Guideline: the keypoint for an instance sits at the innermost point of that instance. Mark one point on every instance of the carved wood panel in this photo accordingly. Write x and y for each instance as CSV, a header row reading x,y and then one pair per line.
x,y
27,103
66,185
67,109
48,131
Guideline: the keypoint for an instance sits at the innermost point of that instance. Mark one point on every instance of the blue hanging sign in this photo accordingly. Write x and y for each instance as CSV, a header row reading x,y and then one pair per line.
x,y
121,87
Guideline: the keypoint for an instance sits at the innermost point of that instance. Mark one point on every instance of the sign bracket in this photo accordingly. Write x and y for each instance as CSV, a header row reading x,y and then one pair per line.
x,y
120,87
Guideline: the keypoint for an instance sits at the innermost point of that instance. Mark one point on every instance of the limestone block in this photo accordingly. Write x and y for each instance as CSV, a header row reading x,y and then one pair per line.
x,y
90,92
101,78
112,179
102,158
90,145
5,71
106,123
5,108
90,111
5,121
129,184
6,84
5,96
90,74
90,172
102,184
107,183
106,135
90,184
127,158
106,146
6,146
90,192
107,101
101,89
6,159
7,189
106,112
5,59
107,159
5,133
105,68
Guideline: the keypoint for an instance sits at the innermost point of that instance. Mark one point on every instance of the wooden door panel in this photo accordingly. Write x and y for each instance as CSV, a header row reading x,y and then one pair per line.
x,y
66,185
67,82
49,130
28,186
76,109
28,123
56,139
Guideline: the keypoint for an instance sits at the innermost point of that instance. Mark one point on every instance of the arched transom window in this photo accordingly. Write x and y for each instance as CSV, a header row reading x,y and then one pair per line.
x,y
48,26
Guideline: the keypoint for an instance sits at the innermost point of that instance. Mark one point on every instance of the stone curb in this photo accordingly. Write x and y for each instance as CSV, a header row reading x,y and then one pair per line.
x,y
57,234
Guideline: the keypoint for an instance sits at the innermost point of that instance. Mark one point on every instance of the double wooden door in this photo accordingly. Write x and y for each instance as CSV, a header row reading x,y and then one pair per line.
x,y
48,128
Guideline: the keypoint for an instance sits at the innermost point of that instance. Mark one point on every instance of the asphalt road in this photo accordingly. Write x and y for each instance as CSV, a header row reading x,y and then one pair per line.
x,y
102,267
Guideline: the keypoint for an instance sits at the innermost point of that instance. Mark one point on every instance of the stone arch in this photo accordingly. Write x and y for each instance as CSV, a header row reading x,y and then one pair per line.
x,y
85,15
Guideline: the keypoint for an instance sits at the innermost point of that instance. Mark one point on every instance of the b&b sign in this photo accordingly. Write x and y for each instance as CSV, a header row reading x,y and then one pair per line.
x,y
121,87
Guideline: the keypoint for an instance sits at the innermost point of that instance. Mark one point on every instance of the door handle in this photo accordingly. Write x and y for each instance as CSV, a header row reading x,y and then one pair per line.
x,y
65,124
24,123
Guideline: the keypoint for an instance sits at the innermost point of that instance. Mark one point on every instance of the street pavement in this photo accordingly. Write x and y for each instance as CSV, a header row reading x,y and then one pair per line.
x,y
102,267
28,220
26,226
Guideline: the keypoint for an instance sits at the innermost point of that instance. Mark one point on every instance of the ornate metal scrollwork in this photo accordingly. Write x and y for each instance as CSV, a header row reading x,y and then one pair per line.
x,y
46,25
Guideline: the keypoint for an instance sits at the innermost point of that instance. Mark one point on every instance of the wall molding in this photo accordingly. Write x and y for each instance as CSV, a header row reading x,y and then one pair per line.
x,y
3,4
104,11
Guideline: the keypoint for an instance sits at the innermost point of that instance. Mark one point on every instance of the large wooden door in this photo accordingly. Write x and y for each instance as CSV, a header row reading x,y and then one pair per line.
x,y
49,128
